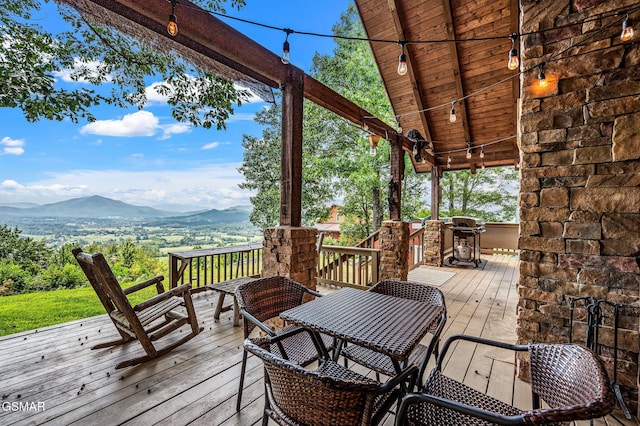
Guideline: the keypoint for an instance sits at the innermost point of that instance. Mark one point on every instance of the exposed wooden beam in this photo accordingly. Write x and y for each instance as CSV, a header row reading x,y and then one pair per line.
x,y
411,73
291,149
435,193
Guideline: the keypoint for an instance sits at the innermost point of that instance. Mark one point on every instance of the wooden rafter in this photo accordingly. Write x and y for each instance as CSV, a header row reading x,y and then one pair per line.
x,y
461,110
411,73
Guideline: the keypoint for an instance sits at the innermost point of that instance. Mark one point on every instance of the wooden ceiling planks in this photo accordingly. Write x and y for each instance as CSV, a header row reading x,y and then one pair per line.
x,y
443,72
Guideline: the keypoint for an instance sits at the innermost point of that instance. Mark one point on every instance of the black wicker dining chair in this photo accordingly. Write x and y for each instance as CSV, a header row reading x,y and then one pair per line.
x,y
265,299
570,379
420,356
330,395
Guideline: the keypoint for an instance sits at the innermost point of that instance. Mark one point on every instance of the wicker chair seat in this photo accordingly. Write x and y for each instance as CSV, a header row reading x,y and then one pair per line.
x,y
570,380
299,348
439,385
330,395
380,362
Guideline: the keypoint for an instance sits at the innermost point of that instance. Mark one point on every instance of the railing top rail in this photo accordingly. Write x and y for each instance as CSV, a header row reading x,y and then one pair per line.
x,y
189,254
349,250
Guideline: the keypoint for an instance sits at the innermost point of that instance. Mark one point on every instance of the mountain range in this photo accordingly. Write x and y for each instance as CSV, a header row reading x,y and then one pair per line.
x,y
99,207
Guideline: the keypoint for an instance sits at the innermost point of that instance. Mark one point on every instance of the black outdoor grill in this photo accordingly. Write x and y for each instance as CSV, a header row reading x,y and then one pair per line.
x,y
466,239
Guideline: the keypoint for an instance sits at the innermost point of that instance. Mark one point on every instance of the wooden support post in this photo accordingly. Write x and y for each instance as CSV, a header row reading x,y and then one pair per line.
x,y
291,149
436,193
395,184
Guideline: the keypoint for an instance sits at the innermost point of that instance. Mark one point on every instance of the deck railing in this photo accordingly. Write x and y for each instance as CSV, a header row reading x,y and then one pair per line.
x,y
416,248
348,266
213,265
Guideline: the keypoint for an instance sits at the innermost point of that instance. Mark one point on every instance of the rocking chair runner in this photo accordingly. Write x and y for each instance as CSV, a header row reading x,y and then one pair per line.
x,y
148,320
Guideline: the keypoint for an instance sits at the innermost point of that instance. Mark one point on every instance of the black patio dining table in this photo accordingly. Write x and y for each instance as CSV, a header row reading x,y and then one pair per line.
x,y
386,324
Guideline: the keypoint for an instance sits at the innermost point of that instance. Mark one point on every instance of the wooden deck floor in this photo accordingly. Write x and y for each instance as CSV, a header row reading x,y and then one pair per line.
x,y
60,381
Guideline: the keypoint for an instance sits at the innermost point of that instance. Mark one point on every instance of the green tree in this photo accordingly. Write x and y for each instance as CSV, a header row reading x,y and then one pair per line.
x,y
30,254
112,66
488,194
336,159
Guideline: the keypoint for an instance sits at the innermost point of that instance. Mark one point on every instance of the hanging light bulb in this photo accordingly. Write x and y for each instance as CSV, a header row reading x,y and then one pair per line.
x,y
513,62
483,165
482,153
365,126
402,61
286,51
542,78
452,113
172,26
373,144
449,161
415,149
627,30
468,151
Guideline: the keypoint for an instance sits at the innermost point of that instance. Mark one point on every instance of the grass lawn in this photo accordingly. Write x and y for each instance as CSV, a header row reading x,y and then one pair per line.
x,y
35,310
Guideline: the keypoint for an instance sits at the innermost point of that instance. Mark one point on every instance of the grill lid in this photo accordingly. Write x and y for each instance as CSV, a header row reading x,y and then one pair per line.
x,y
465,221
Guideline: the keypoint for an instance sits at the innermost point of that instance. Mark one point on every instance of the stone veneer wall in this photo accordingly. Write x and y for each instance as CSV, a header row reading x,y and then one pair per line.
x,y
433,243
291,252
394,250
580,177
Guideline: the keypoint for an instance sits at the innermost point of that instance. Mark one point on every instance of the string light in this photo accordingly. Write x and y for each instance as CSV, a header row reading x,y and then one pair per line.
x,y
627,29
468,151
513,62
449,161
172,25
482,153
542,78
415,149
373,144
402,60
286,49
452,113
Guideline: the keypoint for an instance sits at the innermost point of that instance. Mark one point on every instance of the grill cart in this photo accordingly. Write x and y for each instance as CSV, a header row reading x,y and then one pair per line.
x,y
466,239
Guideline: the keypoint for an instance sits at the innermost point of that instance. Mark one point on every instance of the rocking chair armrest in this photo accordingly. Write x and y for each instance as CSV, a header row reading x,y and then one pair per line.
x,y
488,416
176,291
144,284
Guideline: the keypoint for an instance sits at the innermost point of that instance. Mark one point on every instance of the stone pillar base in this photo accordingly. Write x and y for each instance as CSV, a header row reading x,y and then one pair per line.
x,y
394,246
433,243
291,252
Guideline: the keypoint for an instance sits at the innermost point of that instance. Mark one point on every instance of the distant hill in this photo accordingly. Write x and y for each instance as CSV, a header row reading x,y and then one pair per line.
x,y
98,207
94,206
230,215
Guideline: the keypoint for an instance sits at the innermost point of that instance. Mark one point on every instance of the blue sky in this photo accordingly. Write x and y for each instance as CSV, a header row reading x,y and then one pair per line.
x,y
146,157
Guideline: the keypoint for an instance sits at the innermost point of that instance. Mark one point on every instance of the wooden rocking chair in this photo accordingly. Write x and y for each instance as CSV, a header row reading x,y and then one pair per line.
x,y
148,320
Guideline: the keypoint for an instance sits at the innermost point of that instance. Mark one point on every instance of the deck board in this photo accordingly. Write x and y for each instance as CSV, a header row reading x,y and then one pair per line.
x,y
197,382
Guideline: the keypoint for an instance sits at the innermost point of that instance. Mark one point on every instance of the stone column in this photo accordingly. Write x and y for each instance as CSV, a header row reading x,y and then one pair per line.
x,y
433,243
291,252
394,246
580,185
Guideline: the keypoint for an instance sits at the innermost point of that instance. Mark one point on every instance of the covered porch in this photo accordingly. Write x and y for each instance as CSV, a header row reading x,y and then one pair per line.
x,y
197,383
60,381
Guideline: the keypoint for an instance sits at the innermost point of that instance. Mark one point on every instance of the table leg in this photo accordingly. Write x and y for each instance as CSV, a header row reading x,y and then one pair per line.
x,y
236,313
216,314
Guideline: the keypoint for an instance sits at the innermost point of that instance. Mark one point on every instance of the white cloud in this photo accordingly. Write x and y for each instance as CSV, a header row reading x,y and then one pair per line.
x,y
207,187
67,75
153,97
241,116
10,184
141,123
10,146
210,145
174,129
